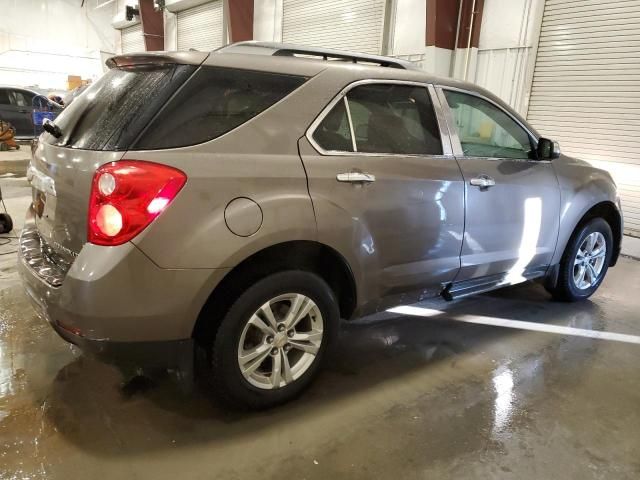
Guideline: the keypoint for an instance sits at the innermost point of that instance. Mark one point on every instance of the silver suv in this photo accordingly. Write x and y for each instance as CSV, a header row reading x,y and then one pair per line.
x,y
245,200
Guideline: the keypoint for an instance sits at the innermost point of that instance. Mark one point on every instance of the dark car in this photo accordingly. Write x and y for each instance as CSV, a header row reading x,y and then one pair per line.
x,y
16,107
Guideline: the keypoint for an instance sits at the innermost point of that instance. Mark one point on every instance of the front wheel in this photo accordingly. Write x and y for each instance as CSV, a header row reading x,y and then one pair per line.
x,y
585,262
272,341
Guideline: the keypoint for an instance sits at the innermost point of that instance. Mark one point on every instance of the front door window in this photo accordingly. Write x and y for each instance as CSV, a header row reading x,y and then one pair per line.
x,y
485,130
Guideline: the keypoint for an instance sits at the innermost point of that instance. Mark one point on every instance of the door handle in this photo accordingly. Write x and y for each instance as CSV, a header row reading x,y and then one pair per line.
x,y
23,111
482,181
356,177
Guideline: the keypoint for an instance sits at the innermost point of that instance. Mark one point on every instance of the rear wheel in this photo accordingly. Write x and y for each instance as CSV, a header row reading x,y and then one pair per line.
x,y
272,341
585,261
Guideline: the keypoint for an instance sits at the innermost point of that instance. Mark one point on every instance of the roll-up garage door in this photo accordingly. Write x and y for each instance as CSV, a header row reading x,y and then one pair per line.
x,y
586,89
201,27
355,25
132,39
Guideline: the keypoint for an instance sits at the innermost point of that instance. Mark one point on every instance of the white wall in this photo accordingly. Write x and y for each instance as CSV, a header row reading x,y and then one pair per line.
x,y
44,41
507,49
267,20
408,26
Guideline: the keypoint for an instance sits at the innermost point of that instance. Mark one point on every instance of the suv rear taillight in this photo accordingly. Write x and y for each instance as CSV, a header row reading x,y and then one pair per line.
x,y
126,196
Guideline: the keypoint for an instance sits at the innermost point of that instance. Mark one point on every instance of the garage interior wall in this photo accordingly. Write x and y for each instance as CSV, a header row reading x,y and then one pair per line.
x,y
132,39
586,89
507,50
201,27
351,25
42,42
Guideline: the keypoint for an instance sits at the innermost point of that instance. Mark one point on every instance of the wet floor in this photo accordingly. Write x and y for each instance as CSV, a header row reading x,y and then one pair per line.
x,y
403,398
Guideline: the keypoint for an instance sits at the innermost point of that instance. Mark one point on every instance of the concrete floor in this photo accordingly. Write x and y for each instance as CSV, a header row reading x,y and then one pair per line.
x,y
404,397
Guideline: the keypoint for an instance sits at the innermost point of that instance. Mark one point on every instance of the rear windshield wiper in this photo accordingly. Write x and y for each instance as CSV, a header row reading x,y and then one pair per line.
x,y
51,128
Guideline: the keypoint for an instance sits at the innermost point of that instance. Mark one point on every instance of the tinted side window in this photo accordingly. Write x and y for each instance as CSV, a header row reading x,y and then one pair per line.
x,y
333,133
213,102
22,99
487,131
394,119
4,97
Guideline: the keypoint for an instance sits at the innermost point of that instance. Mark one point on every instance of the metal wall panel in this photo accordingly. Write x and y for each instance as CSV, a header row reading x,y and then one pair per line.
x,y
201,27
356,25
132,39
586,88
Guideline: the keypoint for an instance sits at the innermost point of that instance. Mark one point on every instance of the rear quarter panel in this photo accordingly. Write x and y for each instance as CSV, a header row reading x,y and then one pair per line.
x,y
258,160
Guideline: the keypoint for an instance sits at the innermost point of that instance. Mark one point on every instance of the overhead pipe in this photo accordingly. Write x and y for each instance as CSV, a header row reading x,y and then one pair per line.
x,y
452,66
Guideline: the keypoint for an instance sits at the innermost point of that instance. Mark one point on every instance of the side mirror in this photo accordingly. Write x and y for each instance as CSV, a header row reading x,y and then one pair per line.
x,y
548,149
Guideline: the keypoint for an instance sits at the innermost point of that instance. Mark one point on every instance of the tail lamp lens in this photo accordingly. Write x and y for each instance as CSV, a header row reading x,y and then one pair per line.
x,y
106,184
109,220
126,196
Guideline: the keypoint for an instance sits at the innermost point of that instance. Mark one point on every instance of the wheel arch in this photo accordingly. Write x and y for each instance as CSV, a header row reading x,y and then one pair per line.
x,y
606,210
609,212
299,254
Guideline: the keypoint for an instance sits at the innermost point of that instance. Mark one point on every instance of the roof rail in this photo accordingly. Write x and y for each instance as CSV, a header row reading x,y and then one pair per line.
x,y
292,50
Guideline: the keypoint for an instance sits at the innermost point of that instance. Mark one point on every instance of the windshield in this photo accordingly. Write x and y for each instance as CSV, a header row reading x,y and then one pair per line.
x,y
111,113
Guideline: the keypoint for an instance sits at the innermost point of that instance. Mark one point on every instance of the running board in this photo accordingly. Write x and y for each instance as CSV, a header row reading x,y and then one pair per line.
x,y
452,291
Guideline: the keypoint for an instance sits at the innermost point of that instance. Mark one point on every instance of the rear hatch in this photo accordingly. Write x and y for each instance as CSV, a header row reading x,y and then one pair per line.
x,y
97,128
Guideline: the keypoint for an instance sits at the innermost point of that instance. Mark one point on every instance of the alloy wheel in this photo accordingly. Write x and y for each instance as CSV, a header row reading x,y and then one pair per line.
x,y
589,261
280,341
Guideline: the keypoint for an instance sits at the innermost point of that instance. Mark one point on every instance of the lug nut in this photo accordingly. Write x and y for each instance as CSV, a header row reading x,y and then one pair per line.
x,y
274,351
290,333
269,339
281,328
287,347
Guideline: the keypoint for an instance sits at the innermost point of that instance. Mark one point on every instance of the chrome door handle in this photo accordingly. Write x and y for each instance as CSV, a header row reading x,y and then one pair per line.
x,y
356,177
483,181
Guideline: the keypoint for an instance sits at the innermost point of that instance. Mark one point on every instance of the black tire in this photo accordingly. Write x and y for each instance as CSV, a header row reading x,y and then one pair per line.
x,y
222,370
6,223
566,289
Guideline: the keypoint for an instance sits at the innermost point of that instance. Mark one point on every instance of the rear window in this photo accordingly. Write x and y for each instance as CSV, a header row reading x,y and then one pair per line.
x,y
213,102
112,112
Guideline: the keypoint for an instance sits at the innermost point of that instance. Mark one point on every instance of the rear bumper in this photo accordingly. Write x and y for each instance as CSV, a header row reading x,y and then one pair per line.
x,y
170,353
116,303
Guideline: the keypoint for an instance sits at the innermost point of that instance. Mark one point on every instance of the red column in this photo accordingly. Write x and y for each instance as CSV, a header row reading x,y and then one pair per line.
x,y
240,20
465,23
442,22
152,26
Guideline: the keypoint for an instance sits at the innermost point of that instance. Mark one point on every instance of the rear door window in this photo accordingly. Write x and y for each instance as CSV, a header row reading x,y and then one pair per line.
x,y
214,102
112,112
395,119
333,133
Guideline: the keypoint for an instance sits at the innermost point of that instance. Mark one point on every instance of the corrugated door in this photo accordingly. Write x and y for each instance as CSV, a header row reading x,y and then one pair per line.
x,y
586,89
132,39
355,25
201,27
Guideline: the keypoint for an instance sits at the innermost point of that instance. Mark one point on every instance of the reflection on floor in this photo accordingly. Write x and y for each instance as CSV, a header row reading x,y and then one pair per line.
x,y
403,397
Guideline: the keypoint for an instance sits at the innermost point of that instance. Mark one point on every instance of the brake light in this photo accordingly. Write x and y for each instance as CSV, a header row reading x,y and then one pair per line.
x,y
126,196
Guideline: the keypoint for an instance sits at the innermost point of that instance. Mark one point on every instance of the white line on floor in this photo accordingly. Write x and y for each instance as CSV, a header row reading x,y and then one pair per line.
x,y
518,324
